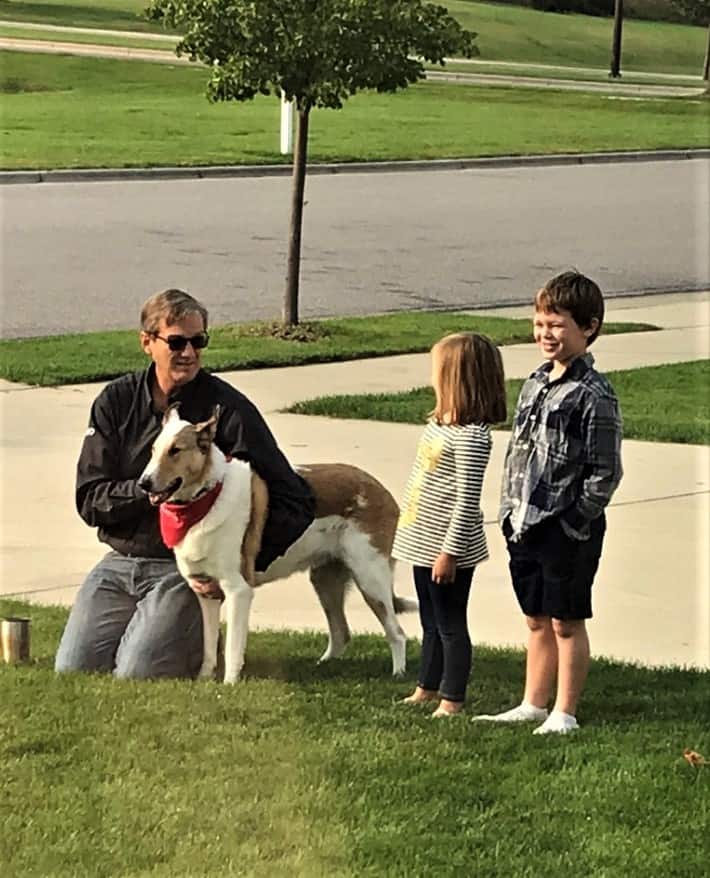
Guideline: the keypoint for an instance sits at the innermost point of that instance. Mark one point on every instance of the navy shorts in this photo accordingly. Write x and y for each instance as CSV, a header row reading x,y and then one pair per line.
x,y
553,573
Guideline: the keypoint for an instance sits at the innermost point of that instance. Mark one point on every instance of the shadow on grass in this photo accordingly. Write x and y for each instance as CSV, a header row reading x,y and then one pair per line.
x,y
617,694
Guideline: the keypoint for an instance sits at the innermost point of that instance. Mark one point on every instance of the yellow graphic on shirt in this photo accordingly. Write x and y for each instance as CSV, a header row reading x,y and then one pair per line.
x,y
428,456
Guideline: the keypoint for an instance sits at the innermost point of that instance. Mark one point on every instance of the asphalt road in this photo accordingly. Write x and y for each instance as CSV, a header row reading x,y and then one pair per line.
x,y
84,256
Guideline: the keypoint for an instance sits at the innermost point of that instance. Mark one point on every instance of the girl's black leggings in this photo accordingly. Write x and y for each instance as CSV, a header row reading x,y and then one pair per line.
x,y
446,646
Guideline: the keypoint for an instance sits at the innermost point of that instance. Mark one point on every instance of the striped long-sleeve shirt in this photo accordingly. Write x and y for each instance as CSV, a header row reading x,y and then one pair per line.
x,y
441,511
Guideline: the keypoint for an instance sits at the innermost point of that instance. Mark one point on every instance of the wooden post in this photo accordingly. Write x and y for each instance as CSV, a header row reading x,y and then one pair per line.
x,y
615,70
15,639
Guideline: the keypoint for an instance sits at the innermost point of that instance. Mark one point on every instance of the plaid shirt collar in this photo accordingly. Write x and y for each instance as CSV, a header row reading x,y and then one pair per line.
x,y
574,372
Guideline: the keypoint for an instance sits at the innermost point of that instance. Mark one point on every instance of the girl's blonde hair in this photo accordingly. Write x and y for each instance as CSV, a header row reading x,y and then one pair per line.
x,y
469,381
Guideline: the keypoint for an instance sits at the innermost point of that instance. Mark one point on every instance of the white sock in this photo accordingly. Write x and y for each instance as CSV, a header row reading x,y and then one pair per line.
x,y
524,712
557,722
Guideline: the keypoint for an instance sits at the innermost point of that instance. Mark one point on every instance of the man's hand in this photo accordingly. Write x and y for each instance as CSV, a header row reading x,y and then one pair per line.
x,y
206,588
444,569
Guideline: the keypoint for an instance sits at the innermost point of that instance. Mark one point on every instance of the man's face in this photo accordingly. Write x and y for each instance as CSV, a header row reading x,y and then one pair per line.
x,y
559,337
175,367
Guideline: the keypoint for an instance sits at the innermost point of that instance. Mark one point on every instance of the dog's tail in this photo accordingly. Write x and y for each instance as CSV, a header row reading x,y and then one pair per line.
x,y
404,605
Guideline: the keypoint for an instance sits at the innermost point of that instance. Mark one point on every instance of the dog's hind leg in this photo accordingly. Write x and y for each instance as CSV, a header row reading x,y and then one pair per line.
x,y
373,576
238,598
210,636
330,580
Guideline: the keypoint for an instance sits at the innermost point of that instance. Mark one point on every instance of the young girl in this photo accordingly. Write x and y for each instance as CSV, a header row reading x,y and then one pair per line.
x,y
440,529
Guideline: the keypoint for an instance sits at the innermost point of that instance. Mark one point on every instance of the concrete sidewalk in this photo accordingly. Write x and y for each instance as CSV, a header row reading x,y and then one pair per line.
x,y
652,595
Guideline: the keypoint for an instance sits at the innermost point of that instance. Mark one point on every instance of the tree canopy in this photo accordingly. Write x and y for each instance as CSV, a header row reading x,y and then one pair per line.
x,y
317,52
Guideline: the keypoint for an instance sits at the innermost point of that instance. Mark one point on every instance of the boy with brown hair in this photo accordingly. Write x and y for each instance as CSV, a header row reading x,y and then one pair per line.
x,y
562,466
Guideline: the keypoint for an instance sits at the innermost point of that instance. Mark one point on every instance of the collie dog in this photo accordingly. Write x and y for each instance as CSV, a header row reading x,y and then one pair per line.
x,y
213,512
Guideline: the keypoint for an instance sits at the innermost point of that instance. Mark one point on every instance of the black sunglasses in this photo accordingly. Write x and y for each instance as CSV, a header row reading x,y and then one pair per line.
x,y
180,342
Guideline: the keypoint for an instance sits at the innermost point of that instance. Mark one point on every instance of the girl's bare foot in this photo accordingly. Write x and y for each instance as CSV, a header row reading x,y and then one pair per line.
x,y
448,708
421,696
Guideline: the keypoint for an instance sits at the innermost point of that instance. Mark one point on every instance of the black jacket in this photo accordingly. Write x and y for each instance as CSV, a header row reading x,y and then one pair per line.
x,y
122,428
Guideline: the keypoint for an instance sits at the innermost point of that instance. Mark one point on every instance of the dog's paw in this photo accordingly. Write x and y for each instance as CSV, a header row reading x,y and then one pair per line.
x,y
207,672
233,675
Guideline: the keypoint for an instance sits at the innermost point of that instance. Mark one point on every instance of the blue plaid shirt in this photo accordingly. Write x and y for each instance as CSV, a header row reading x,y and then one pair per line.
x,y
564,456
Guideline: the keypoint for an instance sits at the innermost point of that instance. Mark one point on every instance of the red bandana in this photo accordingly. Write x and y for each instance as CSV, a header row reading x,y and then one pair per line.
x,y
176,519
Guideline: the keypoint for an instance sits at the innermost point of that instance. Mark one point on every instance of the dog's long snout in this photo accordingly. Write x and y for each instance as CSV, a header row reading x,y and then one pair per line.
x,y
145,483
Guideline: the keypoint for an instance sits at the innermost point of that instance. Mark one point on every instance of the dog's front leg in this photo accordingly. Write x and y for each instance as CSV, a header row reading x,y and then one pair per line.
x,y
210,636
238,598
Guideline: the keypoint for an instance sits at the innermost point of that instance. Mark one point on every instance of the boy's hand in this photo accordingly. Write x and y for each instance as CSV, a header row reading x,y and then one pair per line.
x,y
444,569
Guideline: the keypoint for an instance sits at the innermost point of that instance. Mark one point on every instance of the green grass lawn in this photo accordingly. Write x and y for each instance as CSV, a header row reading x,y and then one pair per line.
x,y
514,33
658,403
95,356
62,111
149,41
508,33
107,14
306,771
161,42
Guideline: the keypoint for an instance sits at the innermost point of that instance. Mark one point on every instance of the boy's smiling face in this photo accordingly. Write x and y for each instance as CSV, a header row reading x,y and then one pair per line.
x,y
560,338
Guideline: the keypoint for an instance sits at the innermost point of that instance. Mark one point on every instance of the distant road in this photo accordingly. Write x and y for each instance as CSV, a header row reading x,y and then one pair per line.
x,y
84,256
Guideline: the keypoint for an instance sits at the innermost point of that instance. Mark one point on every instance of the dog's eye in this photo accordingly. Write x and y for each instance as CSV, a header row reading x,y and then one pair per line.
x,y
173,451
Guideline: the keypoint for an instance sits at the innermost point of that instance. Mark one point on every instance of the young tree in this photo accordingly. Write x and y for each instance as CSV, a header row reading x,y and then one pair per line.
x,y
698,12
315,52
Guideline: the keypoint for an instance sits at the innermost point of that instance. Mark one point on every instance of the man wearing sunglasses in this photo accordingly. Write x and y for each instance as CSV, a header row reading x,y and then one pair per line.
x,y
135,615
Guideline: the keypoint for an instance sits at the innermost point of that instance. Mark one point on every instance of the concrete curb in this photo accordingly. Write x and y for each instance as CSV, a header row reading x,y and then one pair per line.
x,y
84,175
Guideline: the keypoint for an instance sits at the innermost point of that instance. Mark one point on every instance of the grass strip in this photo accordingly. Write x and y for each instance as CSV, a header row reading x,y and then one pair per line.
x,y
506,32
158,41
104,14
98,356
69,112
659,403
311,770
570,74
85,38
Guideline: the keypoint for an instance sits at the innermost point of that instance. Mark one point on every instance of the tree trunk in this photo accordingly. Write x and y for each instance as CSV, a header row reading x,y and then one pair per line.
x,y
615,70
706,65
290,304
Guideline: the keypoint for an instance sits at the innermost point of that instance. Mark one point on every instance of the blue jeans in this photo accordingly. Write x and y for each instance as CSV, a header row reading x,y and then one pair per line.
x,y
136,617
446,646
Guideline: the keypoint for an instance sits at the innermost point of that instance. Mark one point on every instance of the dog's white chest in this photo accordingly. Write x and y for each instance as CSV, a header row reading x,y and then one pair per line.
x,y
212,547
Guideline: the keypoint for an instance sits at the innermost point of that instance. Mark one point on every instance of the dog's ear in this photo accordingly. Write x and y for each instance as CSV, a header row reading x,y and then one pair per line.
x,y
207,430
172,411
